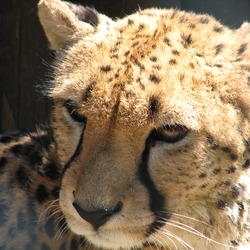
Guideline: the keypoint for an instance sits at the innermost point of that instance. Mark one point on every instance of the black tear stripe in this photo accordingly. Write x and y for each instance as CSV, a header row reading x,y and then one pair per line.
x,y
157,200
76,153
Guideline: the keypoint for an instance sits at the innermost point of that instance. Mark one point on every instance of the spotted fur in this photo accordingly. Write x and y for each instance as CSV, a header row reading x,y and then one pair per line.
x,y
150,136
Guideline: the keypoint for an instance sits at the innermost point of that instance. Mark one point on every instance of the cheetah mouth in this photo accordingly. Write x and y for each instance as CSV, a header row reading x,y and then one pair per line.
x,y
111,239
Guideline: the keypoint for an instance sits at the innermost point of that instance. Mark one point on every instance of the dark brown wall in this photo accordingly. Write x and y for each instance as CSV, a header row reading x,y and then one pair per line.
x,y
25,57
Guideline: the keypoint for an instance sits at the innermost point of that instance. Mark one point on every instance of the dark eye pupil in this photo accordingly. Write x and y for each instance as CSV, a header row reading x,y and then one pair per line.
x,y
71,108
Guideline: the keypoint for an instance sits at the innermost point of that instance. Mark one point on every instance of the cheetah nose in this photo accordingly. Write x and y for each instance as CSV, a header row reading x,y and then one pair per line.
x,y
98,217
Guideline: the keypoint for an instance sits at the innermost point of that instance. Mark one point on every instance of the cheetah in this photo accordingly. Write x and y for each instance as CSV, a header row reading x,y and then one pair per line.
x,y
149,141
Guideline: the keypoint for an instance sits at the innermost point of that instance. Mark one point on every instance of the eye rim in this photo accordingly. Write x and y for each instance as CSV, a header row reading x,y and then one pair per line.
x,y
71,107
180,130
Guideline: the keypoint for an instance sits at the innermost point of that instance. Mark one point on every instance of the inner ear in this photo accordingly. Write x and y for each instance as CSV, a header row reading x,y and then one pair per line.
x,y
85,14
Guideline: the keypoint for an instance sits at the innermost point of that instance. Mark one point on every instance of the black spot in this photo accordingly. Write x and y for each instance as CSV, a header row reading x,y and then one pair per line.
x,y
83,241
231,170
218,65
73,244
192,26
17,149
226,183
221,204
181,77
34,158
126,53
21,221
3,162
130,22
242,48
172,61
218,48
167,41
124,62
50,227
202,175
173,14
204,186
191,65
216,171
6,139
213,143
187,40
154,106
233,157
51,171
246,164
153,59
139,64
234,242
114,56
236,191
226,149
87,15
42,193
23,177
175,52
153,46
42,140
135,44
154,78
141,27
204,20
218,29
106,68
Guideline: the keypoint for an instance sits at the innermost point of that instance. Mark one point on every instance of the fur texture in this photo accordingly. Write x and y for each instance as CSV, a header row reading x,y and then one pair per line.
x,y
150,128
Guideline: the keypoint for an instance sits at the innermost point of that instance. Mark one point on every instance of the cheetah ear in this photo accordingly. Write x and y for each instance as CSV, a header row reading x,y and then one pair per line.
x,y
64,23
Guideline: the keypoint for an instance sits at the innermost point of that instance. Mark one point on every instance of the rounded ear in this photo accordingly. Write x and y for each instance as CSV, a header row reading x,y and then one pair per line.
x,y
64,23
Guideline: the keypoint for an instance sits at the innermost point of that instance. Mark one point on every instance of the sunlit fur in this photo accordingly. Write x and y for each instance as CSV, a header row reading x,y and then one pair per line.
x,y
129,77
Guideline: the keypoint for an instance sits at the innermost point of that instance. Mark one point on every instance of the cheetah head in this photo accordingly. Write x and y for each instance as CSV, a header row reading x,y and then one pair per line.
x,y
151,125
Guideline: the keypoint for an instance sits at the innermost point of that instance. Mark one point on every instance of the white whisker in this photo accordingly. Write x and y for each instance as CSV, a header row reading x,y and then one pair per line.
x,y
192,231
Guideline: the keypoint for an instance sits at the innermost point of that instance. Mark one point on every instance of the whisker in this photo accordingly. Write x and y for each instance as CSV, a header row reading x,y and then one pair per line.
x,y
192,231
187,217
181,241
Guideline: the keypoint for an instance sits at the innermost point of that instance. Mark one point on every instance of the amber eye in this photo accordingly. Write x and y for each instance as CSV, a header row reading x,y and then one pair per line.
x,y
72,110
171,133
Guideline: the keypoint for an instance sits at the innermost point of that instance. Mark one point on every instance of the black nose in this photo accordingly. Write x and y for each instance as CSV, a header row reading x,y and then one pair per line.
x,y
98,217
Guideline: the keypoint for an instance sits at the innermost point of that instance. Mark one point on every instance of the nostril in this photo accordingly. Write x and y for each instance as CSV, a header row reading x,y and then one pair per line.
x,y
98,217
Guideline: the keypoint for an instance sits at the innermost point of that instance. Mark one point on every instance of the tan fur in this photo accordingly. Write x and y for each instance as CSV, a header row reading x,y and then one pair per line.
x,y
131,79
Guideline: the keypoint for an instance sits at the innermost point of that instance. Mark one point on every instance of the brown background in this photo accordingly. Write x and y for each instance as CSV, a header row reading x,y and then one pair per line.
x,y
24,64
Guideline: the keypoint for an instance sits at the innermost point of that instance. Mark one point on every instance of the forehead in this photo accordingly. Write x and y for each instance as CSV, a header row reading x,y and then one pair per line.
x,y
134,72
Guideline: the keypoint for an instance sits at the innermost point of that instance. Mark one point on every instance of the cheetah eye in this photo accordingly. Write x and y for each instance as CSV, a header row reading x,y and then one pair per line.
x,y
171,133
71,108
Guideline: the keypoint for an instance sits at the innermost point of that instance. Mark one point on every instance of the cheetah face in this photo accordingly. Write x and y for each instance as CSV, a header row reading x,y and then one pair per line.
x,y
152,136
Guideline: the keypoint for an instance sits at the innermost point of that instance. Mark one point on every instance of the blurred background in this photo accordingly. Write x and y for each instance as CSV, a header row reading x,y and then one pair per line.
x,y
25,58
